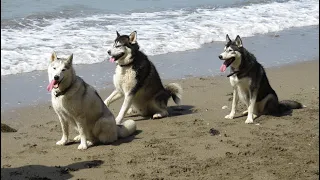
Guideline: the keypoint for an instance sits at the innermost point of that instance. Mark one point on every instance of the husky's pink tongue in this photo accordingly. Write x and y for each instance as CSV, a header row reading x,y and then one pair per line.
x,y
223,68
50,86
112,59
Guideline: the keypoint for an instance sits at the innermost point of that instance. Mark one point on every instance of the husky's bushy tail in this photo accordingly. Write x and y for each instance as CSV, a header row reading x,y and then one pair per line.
x,y
288,105
127,128
176,92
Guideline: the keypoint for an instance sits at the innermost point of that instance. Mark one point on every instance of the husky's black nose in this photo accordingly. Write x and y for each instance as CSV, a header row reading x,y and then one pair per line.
x,y
220,57
109,52
56,77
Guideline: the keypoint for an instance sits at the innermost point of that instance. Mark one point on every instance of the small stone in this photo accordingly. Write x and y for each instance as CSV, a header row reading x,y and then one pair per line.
x,y
213,132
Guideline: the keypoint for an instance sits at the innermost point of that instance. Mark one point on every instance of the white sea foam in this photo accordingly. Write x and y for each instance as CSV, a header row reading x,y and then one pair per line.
x,y
88,38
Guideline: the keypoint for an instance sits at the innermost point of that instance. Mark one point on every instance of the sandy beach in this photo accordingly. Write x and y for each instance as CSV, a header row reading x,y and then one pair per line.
x,y
183,39
180,146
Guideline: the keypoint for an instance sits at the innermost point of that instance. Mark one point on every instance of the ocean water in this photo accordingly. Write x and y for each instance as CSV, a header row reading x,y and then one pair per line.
x,y
32,29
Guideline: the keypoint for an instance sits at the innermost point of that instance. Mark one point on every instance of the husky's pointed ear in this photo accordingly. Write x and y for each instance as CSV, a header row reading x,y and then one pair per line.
x,y
238,41
53,56
133,37
227,39
118,34
69,59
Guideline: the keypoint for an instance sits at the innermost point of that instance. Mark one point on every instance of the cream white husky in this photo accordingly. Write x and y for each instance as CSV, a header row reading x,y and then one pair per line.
x,y
78,104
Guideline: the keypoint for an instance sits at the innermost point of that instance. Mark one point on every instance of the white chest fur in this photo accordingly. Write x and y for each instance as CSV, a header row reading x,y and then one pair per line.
x,y
125,79
62,104
242,86
62,107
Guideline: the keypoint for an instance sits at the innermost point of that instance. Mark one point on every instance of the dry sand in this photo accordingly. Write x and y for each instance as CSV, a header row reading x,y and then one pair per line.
x,y
180,146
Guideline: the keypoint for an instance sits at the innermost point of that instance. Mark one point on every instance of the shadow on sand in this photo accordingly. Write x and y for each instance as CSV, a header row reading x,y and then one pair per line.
x,y
116,143
47,172
258,119
173,111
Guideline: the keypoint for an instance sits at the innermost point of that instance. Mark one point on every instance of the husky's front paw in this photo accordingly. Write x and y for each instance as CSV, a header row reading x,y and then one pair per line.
x,y
229,116
249,121
77,138
83,146
62,142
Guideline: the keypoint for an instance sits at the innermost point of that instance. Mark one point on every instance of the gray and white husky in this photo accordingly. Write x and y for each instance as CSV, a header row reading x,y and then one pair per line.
x,y
78,104
249,81
137,80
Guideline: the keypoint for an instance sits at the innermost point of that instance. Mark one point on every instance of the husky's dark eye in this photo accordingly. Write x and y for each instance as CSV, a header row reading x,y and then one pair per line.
x,y
54,68
117,46
63,69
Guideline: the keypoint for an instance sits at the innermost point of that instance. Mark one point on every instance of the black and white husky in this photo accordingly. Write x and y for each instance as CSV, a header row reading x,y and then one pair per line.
x,y
137,80
249,81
